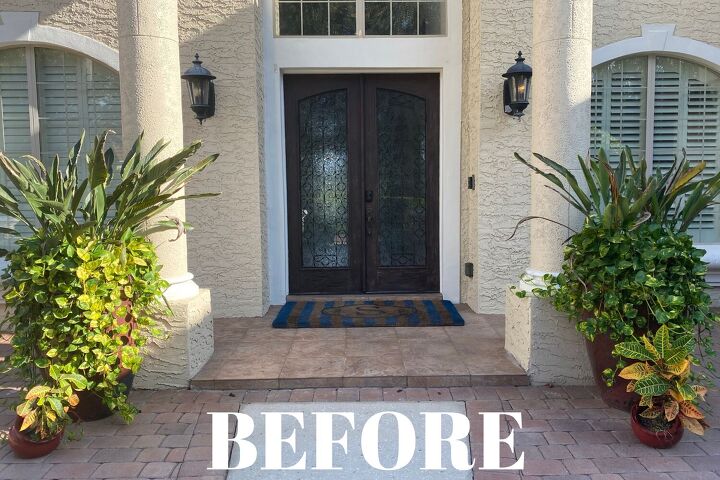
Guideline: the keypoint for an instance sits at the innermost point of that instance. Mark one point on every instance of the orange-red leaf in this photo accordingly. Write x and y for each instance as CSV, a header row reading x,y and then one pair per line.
x,y
690,410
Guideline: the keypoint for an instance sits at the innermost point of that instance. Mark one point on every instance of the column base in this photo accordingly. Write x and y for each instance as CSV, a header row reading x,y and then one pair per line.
x,y
173,361
545,342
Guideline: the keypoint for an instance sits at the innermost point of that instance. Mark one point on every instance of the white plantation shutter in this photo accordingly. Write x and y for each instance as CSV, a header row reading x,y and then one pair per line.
x,y
15,133
74,94
54,99
687,115
683,112
618,102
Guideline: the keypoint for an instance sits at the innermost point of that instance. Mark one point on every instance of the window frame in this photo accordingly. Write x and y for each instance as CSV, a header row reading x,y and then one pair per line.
x,y
712,255
359,22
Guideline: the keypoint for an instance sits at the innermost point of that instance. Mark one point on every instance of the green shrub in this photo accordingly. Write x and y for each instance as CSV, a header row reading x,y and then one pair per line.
x,y
65,300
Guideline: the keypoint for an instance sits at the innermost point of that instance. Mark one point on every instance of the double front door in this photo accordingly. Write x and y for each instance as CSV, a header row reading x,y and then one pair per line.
x,y
362,171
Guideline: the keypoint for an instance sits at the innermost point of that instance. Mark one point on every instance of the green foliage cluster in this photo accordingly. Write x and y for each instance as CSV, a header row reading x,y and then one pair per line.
x,y
83,306
44,410
626,281
84,287
632,267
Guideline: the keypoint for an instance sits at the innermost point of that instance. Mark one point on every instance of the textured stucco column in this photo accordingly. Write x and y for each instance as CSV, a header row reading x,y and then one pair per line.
x,y
545,342
151,102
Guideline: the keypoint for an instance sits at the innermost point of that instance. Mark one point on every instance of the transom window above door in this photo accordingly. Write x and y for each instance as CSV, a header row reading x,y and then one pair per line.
x,y
658,106
360,17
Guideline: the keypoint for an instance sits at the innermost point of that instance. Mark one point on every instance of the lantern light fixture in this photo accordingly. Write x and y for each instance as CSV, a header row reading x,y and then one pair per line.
x,y
516,88
202,89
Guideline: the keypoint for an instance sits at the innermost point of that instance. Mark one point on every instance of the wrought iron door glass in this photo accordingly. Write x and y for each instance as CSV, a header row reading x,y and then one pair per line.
x,y
324,180
401,119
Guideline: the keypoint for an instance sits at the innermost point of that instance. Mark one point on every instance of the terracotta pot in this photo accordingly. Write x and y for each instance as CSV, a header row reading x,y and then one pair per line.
x,y
600,353
24,447
665,439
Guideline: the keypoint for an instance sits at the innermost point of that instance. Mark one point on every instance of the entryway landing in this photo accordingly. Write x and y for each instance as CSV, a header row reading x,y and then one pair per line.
x,y
250,354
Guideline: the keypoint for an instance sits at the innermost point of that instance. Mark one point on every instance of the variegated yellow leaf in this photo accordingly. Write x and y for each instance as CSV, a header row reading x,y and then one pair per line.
x,y
650,348
73,400
679,368
676,395
693,425
630,387
690,410
672,408
28,421
652,412
635,371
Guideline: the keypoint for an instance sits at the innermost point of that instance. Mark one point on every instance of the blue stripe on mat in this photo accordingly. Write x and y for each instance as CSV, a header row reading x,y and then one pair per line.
x,y
304,317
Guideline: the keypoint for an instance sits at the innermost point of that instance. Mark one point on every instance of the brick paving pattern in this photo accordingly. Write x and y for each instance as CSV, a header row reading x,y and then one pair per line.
x,y
567,433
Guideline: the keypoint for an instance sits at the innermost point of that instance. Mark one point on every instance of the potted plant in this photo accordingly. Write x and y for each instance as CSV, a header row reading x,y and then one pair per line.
x,y
84,288
661,377
43,415
632,266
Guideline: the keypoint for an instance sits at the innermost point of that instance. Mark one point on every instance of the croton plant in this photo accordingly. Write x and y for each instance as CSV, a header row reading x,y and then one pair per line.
x,y
662,377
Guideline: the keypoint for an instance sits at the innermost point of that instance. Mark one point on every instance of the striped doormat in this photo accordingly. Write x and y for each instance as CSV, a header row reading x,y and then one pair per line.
x,y
390,313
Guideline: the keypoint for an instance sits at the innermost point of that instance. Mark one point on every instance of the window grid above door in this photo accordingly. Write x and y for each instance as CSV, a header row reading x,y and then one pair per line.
x,y
343,18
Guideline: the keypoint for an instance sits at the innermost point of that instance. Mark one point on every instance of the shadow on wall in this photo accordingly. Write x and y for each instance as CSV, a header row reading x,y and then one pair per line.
x,y
227,250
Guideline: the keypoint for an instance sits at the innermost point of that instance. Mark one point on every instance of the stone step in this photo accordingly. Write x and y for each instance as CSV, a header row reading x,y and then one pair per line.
x,y
379,297
436,381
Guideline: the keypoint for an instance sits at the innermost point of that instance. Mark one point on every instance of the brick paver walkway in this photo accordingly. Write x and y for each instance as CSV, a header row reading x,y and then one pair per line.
x,y
568,433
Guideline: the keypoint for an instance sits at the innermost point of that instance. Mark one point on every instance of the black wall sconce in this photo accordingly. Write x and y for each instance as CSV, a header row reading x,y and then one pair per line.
x,y
202,89
516,88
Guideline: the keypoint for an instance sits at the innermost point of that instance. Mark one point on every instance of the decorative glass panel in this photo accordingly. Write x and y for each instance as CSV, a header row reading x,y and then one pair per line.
x,y
402,171
402,17
377,18
339,17
316,17
324,180
290,18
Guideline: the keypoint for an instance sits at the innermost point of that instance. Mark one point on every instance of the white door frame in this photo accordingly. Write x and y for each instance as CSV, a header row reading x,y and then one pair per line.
x,y
441,54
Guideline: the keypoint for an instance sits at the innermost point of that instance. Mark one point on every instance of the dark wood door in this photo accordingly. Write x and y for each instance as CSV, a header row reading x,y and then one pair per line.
x,y
362,173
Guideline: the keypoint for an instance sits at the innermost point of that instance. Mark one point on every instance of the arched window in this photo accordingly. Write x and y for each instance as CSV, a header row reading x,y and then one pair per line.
x,y
659,105
47,98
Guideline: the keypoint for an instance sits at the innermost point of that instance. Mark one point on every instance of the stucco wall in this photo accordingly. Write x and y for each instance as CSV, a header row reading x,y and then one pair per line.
x,y
493,36
226,250
494,30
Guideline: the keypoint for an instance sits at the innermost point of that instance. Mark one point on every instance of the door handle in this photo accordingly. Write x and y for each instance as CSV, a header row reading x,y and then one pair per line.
x,y
368,196
369,224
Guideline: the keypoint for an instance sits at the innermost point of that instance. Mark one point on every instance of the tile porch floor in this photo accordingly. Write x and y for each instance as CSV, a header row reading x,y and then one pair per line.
x,y
250,354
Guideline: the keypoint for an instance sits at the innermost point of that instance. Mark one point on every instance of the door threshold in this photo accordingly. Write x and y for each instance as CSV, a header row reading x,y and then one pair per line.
x,y
379,297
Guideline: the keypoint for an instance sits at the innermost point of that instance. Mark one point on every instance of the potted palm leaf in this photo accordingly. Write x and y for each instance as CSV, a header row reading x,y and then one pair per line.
x,y
84,287
632,266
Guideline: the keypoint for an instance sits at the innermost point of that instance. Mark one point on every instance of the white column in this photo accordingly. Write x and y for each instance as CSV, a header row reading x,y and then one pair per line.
x,y
545,342
151,102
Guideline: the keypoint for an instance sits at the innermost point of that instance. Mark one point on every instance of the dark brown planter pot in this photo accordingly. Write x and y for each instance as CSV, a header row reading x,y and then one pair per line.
x,y
600,353
24,447
91,407
665,439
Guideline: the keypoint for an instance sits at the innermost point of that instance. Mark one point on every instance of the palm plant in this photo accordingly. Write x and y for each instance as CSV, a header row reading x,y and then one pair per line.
x,y
63,204
626,196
